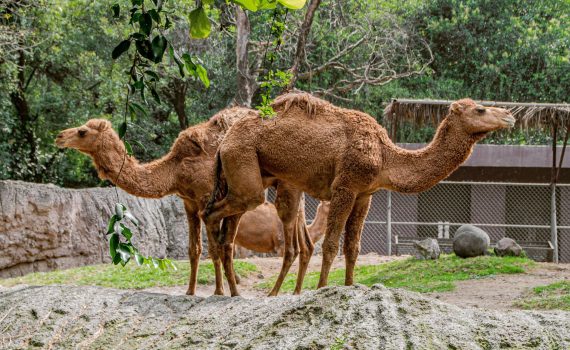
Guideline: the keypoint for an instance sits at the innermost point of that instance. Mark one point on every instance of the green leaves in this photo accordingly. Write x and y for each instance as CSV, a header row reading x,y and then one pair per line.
x,y
122,130
200,25
255,5
158,45
203,75
293,4
145,23
120,49
116,10
113,244
122,252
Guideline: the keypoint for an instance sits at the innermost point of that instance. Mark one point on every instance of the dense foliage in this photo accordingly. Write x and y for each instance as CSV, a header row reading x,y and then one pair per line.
x,y
57,71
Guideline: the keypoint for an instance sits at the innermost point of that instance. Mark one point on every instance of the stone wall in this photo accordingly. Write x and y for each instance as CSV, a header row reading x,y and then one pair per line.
x,y
45,227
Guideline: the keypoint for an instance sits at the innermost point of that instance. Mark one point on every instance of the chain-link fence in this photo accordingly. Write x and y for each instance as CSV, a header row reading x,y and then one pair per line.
x,y
518,211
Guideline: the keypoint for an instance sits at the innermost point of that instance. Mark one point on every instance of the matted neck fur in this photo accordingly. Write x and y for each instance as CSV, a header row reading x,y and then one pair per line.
x,y
340,155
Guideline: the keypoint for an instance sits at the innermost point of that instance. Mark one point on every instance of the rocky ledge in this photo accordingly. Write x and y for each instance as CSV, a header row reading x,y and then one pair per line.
x,y
339,317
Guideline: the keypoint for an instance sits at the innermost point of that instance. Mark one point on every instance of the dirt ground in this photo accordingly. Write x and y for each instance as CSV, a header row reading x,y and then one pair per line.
x,y
495,292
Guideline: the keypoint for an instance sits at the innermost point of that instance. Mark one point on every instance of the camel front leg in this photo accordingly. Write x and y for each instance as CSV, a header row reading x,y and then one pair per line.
x,y
352,234
287,204
194,246
341,205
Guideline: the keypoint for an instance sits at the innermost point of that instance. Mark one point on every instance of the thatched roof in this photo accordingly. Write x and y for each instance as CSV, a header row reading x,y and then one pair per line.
x,y
528,115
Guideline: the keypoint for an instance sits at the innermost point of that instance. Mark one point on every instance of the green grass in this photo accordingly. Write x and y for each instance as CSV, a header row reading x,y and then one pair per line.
x,y
549,297
128,277
417,275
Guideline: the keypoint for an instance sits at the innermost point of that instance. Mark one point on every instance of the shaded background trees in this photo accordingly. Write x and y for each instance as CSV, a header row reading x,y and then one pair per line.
x,y
56,70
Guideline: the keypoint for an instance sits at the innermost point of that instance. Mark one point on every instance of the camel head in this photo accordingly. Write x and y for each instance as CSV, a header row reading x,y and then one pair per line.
x,y
86,138
478,120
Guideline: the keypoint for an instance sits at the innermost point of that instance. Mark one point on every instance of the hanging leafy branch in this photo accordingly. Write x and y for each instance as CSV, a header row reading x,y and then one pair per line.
x,y
274,78
149,44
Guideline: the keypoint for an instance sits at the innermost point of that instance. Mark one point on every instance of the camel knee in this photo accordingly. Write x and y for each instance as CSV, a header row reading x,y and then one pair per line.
x,y
291,254
195,251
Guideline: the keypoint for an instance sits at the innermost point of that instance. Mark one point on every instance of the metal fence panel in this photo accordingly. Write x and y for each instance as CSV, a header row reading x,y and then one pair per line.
x,y
519,211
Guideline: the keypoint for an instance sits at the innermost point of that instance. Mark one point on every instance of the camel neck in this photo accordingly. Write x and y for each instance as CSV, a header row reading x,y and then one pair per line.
x,y
151,180
418,170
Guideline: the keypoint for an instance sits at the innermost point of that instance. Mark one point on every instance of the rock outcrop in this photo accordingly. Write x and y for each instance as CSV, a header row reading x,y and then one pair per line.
x,y
508,247
427,249
470,241
45,227
65,317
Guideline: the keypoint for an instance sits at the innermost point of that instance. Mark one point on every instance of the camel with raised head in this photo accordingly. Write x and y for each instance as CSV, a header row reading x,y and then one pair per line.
x,y
185,171
339,155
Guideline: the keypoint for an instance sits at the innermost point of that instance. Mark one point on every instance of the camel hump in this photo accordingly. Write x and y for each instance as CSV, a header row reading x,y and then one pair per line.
x,y
303,100
225,118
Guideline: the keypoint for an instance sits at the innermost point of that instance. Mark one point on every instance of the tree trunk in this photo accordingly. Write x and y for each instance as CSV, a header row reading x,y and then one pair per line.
x,y
27,138
302,41
176,94
246,85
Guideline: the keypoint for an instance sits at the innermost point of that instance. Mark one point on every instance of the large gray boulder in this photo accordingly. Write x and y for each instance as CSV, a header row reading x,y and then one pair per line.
x,y
66,317
470,241
508,247
427,249
45,227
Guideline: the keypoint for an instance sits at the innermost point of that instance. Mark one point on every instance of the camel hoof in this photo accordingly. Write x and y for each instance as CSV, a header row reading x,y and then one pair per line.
x,y
189,292
219,292
273,294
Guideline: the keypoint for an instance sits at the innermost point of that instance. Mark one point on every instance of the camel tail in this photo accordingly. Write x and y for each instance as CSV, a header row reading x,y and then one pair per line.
x,y
220,185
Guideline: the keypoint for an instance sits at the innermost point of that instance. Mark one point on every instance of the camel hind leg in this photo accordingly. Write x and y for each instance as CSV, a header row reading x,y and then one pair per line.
x,y
352,235
214,252
306,246
230,225
287,204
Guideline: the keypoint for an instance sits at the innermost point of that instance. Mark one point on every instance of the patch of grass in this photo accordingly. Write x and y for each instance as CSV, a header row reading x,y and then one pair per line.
x,y
549,297
418,275
128,277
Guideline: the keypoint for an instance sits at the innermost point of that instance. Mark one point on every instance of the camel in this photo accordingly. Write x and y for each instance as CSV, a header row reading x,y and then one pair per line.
x,y
185,171
339,155
261,230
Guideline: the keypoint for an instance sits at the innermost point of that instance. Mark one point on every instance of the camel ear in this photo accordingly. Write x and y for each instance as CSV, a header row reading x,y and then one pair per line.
x,y
99,124
197,146
457,107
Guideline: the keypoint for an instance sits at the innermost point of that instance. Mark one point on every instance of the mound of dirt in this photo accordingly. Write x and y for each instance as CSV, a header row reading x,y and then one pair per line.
x,y
346,317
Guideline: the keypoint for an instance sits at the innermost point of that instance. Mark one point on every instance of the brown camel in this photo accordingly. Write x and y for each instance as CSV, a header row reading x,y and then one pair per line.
x,y
339,155
261,230
185,171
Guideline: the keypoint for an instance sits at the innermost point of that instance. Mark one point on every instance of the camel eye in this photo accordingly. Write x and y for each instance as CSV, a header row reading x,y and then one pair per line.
x,y
480,110
82,133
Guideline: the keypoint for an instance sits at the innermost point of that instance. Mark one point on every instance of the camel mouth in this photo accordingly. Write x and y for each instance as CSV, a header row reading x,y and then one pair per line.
x,y
510,121
60,143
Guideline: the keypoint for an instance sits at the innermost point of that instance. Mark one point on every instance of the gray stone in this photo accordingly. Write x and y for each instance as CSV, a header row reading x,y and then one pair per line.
x,y
470,241
427,249
45,227
508,247
67,317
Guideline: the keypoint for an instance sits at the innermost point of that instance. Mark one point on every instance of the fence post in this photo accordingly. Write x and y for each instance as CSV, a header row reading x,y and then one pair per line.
x,y
389,224
553,224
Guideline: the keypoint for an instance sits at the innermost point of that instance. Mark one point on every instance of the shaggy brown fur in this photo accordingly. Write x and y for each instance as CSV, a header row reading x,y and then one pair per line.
x,y
185,171
343,156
